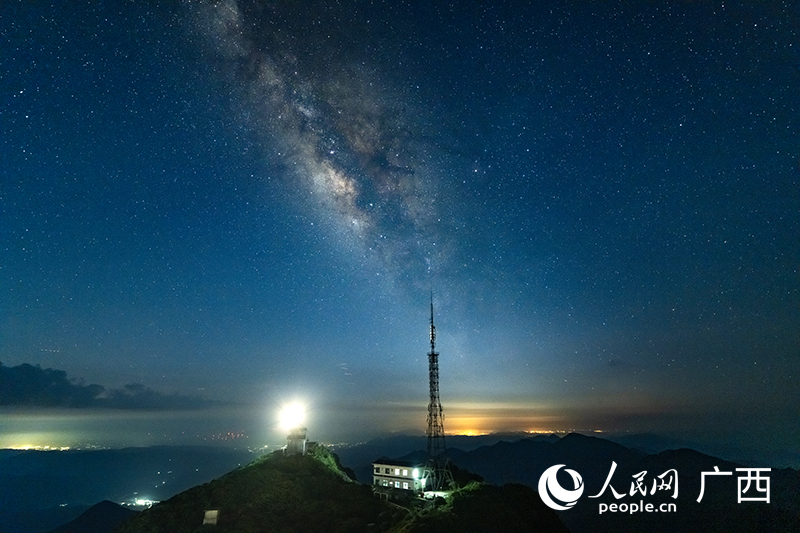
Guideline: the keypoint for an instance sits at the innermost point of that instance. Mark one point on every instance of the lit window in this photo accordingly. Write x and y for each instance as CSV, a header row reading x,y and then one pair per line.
x,y
405,485
405,472
385,483
397,484
396,471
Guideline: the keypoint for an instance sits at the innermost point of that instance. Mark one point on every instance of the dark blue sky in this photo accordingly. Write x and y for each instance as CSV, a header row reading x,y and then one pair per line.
x,y
250,202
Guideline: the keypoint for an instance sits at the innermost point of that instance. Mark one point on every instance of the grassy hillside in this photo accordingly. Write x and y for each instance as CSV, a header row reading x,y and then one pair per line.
x,y
274,493
482,508
312,493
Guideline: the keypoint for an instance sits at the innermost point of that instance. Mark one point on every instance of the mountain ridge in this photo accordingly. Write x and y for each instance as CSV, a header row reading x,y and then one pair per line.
x,y
102,517
524,461
312,492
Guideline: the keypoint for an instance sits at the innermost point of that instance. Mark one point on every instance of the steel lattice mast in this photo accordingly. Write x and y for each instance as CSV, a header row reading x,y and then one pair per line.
x,y
438,474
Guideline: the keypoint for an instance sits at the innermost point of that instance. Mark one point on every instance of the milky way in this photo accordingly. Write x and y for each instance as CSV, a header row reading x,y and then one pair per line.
x,y
350,139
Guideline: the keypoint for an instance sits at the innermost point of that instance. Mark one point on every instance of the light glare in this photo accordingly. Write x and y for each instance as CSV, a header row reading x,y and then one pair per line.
x,y
291,416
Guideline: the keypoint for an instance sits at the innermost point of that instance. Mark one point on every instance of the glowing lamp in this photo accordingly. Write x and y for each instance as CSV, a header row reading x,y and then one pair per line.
x,y
291,416
291,420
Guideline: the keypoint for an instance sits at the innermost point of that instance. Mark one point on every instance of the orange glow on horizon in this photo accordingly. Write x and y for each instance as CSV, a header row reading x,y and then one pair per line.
x,y
468,433
495,421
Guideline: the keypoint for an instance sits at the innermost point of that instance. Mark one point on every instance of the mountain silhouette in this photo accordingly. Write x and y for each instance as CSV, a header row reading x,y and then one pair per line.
x,y
719,511
311,492
99,518
523,461
40,490
272,491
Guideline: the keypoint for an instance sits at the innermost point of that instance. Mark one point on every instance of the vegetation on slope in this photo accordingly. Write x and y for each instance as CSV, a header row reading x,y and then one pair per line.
x,y
278,493
275,493
482,508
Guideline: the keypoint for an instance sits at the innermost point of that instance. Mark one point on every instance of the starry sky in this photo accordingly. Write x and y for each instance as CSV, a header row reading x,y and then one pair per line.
x,y
210,209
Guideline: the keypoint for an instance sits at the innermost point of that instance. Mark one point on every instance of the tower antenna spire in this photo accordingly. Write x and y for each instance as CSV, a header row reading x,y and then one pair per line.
x,y
438,475
433,328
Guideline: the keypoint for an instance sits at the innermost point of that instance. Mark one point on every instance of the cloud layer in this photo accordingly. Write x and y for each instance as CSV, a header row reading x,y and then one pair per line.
x,y
32,386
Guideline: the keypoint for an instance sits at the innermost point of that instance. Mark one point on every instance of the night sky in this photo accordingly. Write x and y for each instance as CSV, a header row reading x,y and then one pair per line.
x,y
209,209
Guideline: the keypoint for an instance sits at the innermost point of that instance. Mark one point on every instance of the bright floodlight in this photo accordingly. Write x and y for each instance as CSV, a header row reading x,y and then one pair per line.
x,y
291,416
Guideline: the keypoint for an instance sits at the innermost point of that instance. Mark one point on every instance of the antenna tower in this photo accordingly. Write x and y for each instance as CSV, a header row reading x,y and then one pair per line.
x,y
439,477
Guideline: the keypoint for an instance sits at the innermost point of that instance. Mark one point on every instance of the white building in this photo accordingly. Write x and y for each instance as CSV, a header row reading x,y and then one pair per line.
x,y
388,475
296,441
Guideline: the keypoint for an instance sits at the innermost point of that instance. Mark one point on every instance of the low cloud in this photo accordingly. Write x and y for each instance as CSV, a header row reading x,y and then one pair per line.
x,y
33,386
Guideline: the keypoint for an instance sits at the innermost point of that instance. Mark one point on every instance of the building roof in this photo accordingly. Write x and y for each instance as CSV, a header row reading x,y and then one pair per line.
x,y
397,462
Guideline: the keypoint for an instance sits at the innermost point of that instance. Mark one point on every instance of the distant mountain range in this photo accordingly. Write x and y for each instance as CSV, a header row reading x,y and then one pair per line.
x,y
102,517
523,461
650,443
35,485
